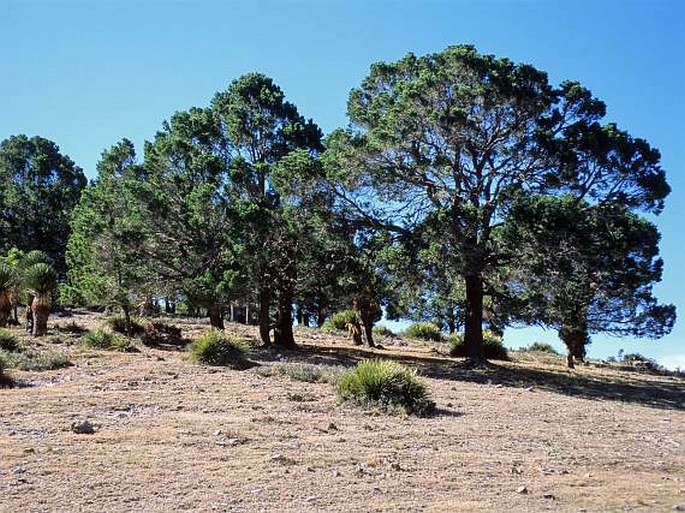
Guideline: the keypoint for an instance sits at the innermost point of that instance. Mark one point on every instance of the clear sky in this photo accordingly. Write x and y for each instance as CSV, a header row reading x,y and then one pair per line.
x,y
86,73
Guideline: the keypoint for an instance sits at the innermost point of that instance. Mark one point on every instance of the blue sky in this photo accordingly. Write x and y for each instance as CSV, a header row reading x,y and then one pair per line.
x,y
87,73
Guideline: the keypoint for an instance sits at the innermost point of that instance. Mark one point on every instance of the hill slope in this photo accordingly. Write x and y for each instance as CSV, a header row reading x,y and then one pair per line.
x,y
172,435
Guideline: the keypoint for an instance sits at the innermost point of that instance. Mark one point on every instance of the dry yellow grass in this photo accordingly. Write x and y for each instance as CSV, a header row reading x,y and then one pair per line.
x,y
172,435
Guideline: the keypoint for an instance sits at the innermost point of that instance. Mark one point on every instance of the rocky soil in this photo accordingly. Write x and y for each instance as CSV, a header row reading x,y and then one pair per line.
x,y
151,431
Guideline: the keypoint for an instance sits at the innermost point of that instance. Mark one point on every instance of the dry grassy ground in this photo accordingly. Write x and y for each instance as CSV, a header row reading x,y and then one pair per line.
x,y
173,435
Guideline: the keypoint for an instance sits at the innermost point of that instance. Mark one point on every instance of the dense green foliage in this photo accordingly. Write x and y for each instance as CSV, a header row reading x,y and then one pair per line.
x,y
467,193
38,189
424,331
542,347
441,146
585,269
493,349
103,339
341,320
387,385
214,347
8,341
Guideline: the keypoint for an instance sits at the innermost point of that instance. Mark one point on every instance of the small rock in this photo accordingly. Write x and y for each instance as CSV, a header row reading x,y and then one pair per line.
x,y
530,389
217,432
332,427
18,470
522,490
279,458
679,507
82,427
548,496
395,466
311,498
336,473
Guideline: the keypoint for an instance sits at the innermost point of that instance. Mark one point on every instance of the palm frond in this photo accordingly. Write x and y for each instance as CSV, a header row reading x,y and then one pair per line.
x,y
40,278
8,278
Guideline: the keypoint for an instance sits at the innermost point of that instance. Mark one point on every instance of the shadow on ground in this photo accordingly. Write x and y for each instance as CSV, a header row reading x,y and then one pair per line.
x,y
664,394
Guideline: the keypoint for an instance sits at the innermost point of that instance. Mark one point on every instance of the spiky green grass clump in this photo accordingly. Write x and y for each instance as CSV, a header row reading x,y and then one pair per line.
x,y
542,347
8,341
340,321
216,347
118,324
101,339
424,331
493,349
387,385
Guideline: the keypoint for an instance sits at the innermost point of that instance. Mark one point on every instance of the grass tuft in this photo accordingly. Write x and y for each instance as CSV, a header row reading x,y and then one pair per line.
x,y
493,349
387,385
424,331
8,341
101,339
216,347
541,347
307,372
118,324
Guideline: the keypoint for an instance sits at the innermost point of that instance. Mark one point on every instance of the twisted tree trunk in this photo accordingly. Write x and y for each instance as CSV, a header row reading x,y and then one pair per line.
x,y
41,312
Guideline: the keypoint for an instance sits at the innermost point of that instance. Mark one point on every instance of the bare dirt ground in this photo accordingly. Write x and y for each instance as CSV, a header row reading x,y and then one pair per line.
x,y
526,435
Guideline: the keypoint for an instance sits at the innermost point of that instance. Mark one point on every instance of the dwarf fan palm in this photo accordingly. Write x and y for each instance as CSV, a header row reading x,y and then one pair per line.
x,y
41,281
8,278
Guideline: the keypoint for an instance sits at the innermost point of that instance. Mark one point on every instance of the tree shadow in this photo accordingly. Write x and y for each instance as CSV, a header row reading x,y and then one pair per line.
x,y
667,395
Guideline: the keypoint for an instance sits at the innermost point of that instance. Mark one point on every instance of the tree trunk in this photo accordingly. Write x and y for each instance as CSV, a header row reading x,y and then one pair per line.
x,y
283,332
28,316
5,309
264,318
127,319
367,323
451,321
306,319
473,333
320,317
216,318
300,316
368,332
575,339
40,320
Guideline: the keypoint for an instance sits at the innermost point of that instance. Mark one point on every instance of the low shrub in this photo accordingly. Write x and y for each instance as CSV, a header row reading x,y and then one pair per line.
x,y
5,380
71,328
118,324
38,360
637,361
492,346
387,385
383,331
102,339
424,331
8,341
542,347
340,320
306,372
157,333
216,347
